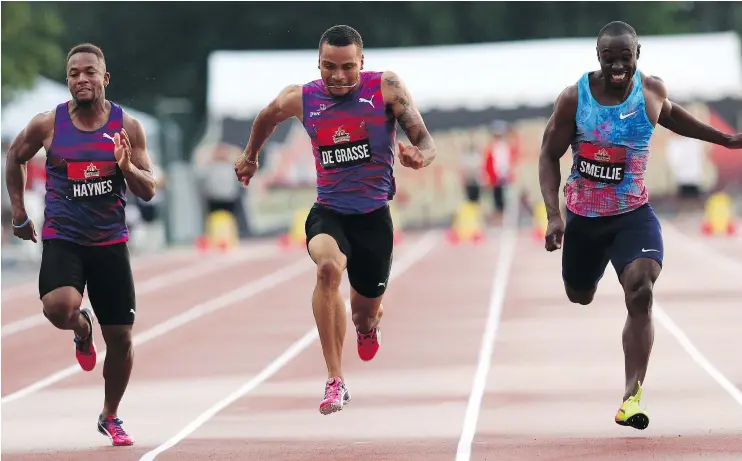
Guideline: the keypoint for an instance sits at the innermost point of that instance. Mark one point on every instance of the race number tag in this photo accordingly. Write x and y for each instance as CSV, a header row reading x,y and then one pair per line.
x,y
602,164
343,145
91,180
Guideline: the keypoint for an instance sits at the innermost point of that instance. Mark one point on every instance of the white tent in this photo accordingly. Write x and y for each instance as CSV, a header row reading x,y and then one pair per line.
x,y
504,75
45,95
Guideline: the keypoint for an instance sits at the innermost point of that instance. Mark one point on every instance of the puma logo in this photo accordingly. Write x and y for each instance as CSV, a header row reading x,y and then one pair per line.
x,y
369,101
108,136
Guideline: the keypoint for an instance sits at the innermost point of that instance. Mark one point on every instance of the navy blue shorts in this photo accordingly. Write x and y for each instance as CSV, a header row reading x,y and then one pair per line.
x,y
589,243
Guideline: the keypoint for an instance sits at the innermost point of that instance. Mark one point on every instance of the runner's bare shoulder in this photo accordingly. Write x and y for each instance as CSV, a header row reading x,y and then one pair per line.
x,y
287,104
566,103
37,134
654,84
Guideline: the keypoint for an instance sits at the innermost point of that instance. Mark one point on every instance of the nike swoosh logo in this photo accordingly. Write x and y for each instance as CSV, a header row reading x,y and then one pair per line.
x,y
622,116
646,251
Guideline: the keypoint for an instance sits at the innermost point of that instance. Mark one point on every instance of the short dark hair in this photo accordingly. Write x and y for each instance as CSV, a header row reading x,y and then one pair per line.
x,y
616,29
86,48
341,35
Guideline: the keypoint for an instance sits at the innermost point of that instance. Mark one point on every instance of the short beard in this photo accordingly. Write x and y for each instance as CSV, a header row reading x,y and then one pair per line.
x,y
86,104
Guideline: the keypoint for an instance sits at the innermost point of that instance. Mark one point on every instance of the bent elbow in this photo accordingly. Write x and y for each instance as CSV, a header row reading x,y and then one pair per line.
x,y
149,194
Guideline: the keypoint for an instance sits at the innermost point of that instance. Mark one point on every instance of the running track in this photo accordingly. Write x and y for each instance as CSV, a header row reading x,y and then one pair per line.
x,y
482,358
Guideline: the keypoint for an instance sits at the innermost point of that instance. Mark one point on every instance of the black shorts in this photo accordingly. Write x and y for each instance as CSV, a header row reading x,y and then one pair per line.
x,y
367,240
106,270
589,243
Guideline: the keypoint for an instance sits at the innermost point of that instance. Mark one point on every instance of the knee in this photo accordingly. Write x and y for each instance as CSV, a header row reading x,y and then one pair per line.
x,y
329,273
118,339
580,297
59,308
639,297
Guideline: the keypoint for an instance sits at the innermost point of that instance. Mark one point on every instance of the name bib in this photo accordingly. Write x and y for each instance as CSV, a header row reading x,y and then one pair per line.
x,y
601,164
92,180
343,145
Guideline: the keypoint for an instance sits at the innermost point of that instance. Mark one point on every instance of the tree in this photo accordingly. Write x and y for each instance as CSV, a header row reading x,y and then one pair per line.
x,y
29,44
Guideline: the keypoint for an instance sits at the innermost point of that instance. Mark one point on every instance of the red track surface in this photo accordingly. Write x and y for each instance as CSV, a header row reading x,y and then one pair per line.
x,y
555,380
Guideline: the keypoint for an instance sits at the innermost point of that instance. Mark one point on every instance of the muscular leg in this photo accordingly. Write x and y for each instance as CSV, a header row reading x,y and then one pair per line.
x,y
367,312
584,257
61,284
327,303
117,365
62,309
583,297
638,280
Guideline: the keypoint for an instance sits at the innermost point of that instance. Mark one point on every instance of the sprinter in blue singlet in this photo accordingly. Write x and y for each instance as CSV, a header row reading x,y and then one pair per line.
x,y
608,118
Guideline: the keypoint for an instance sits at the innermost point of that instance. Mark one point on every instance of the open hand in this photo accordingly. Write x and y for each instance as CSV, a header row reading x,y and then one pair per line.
x,y
122,150
411,157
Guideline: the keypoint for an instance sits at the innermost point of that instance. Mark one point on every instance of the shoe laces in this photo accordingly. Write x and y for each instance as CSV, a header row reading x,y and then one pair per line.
x,y
113,425
364,336
83,345
333,389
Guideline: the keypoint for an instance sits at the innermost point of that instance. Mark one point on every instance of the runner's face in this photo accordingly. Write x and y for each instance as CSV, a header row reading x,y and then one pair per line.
x,y
617,57
86,78
340,66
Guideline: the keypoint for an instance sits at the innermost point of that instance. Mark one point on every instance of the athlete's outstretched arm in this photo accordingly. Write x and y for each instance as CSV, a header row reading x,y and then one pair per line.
x,y
287,104
398,98
24,147
560,129
678,120
139,177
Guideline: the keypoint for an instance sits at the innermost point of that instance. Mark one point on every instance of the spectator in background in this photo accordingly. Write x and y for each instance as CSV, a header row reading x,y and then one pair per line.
x,y
685,157
220,189
471,169
499,157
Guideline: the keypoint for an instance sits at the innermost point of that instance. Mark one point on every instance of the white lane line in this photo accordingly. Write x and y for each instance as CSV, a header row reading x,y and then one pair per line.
x,y
199,310
414,254
696,354
701,249
153,259
506,254
158,282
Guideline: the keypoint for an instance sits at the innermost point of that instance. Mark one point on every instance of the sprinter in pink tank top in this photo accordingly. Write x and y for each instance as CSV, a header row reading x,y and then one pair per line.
x,y
350,116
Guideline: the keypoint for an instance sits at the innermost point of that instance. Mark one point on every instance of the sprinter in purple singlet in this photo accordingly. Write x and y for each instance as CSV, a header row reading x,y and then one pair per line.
x,y
93,151
351,119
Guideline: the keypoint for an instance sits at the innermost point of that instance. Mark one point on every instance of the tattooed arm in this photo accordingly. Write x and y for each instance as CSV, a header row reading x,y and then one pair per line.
x,y
398,99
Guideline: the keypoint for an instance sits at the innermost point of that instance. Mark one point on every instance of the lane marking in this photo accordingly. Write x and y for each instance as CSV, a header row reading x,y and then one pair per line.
x,y
709,252
506,255
420,249
703,250
150,259
157,282
267,282
696,354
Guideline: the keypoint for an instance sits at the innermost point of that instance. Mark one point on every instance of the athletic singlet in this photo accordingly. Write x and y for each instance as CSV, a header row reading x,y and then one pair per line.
x,y
353,141
85,189
609,154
